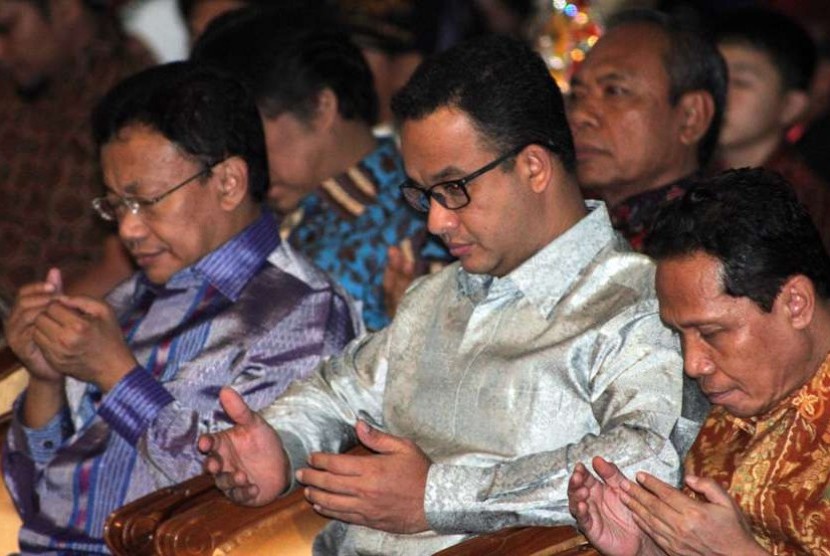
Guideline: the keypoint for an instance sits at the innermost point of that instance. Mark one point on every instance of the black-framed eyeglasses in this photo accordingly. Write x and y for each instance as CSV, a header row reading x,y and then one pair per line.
x,y
110,206
451,194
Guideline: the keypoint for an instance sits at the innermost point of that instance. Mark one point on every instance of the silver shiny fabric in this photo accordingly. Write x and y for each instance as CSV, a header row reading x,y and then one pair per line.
x,y
505,383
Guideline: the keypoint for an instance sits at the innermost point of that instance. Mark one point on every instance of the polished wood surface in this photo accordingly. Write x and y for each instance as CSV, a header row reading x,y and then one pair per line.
x,y
525,541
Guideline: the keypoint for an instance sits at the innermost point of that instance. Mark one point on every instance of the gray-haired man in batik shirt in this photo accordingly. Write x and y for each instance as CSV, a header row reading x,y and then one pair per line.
x,y
541,347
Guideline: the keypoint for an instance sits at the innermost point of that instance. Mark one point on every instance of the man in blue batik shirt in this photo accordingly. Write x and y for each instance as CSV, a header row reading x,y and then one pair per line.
x,y
119,392
334,182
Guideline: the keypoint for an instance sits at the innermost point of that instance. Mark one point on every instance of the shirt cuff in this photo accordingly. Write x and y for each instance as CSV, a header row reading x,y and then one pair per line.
x,y
134,403
45,441
454,492
297,455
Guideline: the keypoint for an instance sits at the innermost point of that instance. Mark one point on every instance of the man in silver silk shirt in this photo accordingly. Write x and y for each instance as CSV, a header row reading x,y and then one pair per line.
x,y
540,348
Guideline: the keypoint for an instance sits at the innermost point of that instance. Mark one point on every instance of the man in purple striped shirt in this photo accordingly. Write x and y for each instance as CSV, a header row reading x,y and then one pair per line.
x,y
120,391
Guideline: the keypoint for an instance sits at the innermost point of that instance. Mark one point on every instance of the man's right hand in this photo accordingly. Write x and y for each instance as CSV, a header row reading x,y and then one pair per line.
x,y
247,461
31,301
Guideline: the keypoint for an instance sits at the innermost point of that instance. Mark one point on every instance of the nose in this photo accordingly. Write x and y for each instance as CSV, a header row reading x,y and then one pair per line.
x,y
131,228
441,220
696,362
582,112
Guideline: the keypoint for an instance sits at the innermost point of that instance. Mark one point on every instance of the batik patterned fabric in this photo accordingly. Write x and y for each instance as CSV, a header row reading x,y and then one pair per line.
x,y
349,223
49,169
254,315
634,216
777,466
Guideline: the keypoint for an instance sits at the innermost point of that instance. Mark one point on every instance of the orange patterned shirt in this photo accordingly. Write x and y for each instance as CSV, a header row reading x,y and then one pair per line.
x,y
777,466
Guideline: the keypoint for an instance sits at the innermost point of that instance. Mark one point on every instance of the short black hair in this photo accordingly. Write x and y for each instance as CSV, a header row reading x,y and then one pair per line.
x,y
787,44
502,85
186,6
287,58
692,62
751,221
95,6
208,115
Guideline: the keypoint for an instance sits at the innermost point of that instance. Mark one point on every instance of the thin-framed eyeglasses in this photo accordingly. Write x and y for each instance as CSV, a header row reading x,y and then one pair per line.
x,y
451,194
110,206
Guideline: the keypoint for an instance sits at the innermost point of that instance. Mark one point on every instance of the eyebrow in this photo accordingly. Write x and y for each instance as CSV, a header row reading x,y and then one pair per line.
x,y
130,190
746,67
447,174
603,77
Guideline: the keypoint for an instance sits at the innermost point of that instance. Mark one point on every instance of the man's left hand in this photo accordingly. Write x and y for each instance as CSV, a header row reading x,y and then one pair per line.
x,y
81,337
384,490
684,526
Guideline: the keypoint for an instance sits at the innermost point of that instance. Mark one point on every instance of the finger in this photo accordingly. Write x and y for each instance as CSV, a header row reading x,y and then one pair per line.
x,y
205,443
66,315
235,407
408,254
608,472
54,278
709,488
379,441
663,492
577,477
229,479
324,480
85,306
332,502
649,508
645,526
244,494
340,464
346,517
394,257
28,306
36,288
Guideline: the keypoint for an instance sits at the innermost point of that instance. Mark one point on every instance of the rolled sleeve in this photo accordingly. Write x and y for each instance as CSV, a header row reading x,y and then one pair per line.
x,y
131,406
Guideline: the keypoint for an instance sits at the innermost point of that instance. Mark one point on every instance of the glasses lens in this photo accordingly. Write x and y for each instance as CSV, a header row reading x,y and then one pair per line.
x,y
451,195
104,208
416,197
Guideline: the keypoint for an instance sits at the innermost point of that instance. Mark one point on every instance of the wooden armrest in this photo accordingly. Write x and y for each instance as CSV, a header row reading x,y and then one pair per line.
x,y
194,517
286,526
525,541
130,530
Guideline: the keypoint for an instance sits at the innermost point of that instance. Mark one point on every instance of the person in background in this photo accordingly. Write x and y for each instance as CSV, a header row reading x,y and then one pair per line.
x,y
119,390
57,58
771,60
333,181
743,277
547,317
645,110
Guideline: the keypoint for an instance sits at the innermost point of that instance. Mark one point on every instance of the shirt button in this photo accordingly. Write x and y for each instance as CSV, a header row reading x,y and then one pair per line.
x,y
49,444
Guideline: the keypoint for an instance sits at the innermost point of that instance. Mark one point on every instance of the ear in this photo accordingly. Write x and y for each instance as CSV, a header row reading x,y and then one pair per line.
x,y
326,111
794,107
536,165
232,180
797,299
697,108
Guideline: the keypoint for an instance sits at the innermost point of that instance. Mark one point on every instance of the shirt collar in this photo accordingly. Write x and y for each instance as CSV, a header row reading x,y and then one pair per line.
x,y
231,266
550,273
633,216
807,402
